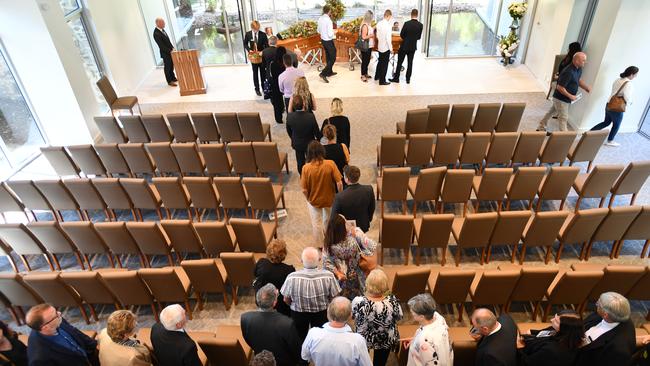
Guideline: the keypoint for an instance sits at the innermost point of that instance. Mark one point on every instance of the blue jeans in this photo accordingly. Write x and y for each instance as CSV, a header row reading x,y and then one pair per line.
x,y
615,119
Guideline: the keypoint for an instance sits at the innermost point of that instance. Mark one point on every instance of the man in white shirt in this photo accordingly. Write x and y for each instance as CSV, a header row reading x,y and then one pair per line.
x,y
384,46
335,344
326,31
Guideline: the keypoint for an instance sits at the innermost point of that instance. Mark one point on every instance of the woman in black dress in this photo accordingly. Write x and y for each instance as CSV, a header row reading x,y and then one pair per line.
x,y
276,67
335,151
342,123
272,270
12,351
555,345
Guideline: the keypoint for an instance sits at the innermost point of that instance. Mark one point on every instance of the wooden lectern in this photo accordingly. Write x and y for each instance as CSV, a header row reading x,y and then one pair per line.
x,y
188,72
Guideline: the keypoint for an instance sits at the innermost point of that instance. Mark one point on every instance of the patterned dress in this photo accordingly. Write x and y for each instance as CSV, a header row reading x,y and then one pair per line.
x,y
432,345
345,257
376,321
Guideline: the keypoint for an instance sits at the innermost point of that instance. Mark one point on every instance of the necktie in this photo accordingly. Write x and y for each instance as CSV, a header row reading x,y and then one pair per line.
x,y
255,37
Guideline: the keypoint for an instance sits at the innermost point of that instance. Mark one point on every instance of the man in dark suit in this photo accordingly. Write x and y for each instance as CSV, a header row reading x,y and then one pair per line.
x,y
357,201
496,338
256,41
411,33
266,329
171,344
54,342
609,333
166,48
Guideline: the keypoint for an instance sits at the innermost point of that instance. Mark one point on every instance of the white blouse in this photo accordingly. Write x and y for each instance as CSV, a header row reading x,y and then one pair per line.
x,y
432,345
627,90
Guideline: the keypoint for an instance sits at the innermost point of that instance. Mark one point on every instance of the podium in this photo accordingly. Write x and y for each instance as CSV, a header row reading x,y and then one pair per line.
x,y
188,72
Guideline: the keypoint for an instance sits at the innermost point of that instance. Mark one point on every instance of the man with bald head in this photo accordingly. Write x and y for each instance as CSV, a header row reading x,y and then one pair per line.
x,y
496,338
166,48
335,344
309,291
566,91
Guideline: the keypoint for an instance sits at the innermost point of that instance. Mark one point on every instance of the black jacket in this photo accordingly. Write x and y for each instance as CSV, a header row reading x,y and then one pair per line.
x,y
163,42
262,41
411,33
302,129
500,347
42,351
173,348
342,124
541,351
614,347
274,332
356,202
275,273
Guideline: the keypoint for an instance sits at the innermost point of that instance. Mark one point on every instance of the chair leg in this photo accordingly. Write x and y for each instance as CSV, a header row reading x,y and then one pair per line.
x,y
589,166
155,312
188,309
55,260
444,257
611,200
90,268
643,251
12,262
119,261
535,310
460,312
226,303
415,207
602,201
559,252
83,313
234,295
577,204
562,204
488,252
539,204
548,254
547,309
111,260
465,209
458,252
404,209
476,206
406,255
25,262
522,254
514,253
92,312
633,199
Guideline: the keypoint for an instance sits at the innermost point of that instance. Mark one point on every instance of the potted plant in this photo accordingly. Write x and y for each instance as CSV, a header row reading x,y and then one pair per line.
x,y
507,46
517,11
337,10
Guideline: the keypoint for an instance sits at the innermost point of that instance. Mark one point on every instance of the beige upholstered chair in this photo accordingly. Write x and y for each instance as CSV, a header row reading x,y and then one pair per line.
x,y
142,195
390,151
396,232
508,230
556,185
90,288
269,159
129,289
170,285
532,285
30,196
173,195
182,237
110,130
137,158
426,186
87,240
456,188
54,240
86,158
157,128
409,282
502,146
393,186
510,117
163,156
60,160
474,148
113,195
207,276
571,287
557,146
58,197
438,116
203,195
151,240
528,147
639,229
120,242
596,184
86,196
579,228
182,127
451,286
473,231
188,158
587,147
432,231
254,235
54,291
9,202
240,268
447,148
232,195
619,278
493,287
641,291
113,101
613,227
24,243
418,149
243,157
112,158
460,118
252,128
491,186
216,158
263,195
415,123
486,117
524,185
542,231
134,128
18,294
206,127
217,237
631,180
228,126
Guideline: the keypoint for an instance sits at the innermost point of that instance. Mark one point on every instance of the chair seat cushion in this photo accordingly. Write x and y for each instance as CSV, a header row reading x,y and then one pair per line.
x,y
125,102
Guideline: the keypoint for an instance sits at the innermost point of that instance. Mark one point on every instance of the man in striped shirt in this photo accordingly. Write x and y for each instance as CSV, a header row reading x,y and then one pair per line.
x,y
308,292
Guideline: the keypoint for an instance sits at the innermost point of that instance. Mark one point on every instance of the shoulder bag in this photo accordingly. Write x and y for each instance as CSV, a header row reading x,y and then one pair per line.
x,y
617,102
361,44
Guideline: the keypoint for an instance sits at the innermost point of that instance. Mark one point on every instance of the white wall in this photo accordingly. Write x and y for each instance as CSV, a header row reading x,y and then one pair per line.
x,y
32,51
122,36
152,9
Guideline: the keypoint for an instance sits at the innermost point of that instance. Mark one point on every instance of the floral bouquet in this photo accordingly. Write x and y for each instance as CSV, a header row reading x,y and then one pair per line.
x,y
517,10
353,25
302,29
337,9
507,45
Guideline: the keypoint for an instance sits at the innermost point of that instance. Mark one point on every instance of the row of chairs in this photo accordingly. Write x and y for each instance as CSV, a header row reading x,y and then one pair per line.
x,y
164,158
166,238
437,118
185,127
485,149
442,186
195,195
485,231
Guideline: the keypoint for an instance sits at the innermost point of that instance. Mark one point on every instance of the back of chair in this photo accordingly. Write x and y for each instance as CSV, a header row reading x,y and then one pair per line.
x,y
157,128
501,148
582,225
217,237
544,228
117,237
457,186
261,193
239,267
396,231
21,240
640,227
112,159
556,148
509,227
181,125
112,193
188,158
28,194
205,275
494,287
182,236
250,235
137,158
106,88
250,124
85,237
140,193
452,285
419,149
224,351
202,192
85,194
633,178
166,284
128,287
111,132
163,156
474,147
86,158
243,157
618,278
394,184
267,157
410,282
89,286
486,117
206,127
601,179
231,192
50,287
56,194
617,221
17,291
429,183
525,183
476,230
433,230
172,192
494,184
533,283
228,126
641,289
510,117
587,147
216,158
557,183
134,128
8,199
460,119
437,120
528,147
416,121
447,148
573,287
60,160
391,150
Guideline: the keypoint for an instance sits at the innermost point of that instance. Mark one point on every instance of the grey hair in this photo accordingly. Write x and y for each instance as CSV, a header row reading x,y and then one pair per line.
x,y
423,304
273,40
615,305
339,310
485,318
266,296
264,358
368,17
172,315
310,258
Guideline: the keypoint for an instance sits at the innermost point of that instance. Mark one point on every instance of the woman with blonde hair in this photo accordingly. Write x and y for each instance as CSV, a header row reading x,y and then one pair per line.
x,y
301,90
367,34
376,314
272,270
338,120
117,344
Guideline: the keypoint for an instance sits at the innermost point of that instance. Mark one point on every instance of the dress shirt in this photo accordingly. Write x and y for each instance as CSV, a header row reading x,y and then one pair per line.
x,y
287,79
626,92
328,346
325,28
65,340
597,330
498,328
385,35
310,289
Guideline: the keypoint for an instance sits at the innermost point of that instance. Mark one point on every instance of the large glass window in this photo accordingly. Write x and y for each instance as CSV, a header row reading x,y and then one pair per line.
x,y
69,6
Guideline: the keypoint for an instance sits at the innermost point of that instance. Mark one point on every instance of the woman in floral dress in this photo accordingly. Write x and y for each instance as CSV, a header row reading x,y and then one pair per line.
x,y
342,252
431,344
375,316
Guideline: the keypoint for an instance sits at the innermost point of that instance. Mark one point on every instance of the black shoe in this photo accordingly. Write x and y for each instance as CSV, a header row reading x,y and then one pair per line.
x,y
257,91
408,81
332,73
384,83
393,80
324,78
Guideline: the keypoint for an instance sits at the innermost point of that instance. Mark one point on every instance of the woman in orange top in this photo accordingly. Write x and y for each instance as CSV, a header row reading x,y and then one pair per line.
x,y
319,181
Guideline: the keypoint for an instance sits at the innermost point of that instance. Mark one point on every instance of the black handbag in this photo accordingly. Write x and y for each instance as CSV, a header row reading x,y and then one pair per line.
x,y
361,44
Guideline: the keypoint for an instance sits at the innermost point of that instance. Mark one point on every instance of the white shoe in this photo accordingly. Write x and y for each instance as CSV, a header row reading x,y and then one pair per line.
x,y
612,144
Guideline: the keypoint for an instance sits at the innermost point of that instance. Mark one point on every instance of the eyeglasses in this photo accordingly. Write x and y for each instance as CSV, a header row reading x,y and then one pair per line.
x,y
58,315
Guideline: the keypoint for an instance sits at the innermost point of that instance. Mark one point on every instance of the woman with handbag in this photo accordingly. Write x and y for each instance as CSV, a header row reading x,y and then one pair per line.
x,y
345,252
364,44
620,98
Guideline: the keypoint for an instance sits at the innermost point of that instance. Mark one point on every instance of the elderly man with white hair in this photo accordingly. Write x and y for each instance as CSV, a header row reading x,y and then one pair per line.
x,y
171,344
609,333
335,344
166,47
309,291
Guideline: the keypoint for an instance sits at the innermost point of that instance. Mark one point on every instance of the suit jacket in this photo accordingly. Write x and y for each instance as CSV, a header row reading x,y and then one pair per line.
x,y
262,41
541,351
272,331
173,348
499,349
614,347
302,129
42,351
411,33
356,202
163,42
114,354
